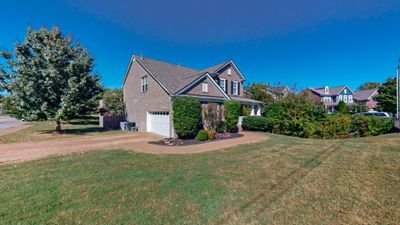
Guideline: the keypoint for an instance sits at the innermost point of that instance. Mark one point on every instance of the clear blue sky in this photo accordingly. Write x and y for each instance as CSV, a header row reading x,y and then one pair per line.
x,y
308,43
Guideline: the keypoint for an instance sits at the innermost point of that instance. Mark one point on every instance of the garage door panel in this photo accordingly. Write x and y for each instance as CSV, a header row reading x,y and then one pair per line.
x,y
159,123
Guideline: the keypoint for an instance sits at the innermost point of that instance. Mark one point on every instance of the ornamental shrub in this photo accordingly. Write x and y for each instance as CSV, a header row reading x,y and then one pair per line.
x,y
361,126
380,125
257,123
186,116
211,134
232,113
221,127
202,135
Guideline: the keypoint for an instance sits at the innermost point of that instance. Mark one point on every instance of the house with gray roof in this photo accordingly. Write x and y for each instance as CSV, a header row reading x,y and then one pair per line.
x,y
150,85
331,96
367,97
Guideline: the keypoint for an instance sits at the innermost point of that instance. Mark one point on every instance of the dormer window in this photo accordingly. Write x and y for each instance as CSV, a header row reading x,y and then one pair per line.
x,y
326,90
345,91
229,71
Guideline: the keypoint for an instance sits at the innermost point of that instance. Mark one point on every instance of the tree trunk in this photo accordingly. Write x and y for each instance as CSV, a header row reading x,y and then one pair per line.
x,y
58,126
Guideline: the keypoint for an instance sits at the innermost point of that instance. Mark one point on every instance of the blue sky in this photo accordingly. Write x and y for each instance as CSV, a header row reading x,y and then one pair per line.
x,y
308,43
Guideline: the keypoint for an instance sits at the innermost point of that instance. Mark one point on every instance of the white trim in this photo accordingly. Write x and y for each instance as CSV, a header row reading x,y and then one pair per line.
x,y
196,81
236,84
204,87
224,81
234,65
157,81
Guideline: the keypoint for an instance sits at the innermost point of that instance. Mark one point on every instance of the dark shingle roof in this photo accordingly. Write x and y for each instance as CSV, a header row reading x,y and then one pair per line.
x,y
332,90
364,95
173,76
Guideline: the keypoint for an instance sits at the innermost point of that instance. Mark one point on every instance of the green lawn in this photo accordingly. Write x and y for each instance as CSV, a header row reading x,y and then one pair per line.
x,y
45,130
283,180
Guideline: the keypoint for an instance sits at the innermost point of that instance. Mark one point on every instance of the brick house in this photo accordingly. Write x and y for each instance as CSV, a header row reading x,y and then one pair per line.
x,y
367,97
150,85
331,96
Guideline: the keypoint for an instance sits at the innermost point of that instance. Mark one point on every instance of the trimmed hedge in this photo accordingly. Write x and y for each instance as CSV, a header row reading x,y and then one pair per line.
x,y
186,116
232,113
257,123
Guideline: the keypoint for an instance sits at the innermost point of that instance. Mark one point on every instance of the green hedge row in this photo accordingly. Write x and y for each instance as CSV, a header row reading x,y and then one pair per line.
x,y
333,126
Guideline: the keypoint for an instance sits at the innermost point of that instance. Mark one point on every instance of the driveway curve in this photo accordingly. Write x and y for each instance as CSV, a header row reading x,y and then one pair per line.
x,y
18,152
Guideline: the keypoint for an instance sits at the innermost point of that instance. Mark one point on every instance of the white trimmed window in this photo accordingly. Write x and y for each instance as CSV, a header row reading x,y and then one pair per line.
x,y
340,98
350,98
204,87
235,89
143,83
345,98
327,99
345,90
222,84
326,90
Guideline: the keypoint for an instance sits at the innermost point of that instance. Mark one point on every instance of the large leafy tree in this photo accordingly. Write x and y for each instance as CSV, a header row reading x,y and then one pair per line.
x,y
261,92
387,96
50,77
369,85
113,101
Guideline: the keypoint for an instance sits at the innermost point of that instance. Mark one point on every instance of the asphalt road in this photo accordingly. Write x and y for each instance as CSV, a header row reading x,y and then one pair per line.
x,y
9,122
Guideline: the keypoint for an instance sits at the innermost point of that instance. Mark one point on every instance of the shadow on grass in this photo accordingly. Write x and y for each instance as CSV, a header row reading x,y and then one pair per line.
x,y
76,131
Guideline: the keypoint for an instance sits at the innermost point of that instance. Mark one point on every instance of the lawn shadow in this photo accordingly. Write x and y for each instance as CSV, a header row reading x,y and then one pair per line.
x,y
76,131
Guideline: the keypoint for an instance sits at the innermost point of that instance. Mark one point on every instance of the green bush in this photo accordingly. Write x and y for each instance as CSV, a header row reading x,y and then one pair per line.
x,y
257,123
232,113
335,126
211,134
202,135
361,126
380,125
221,127
186,116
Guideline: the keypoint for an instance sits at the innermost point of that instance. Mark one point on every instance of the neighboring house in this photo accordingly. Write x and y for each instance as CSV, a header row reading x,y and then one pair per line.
x,y
150,85
279,92
331,96
367,97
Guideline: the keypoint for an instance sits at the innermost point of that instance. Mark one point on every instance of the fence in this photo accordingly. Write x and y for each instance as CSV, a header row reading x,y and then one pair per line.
x,y
111,122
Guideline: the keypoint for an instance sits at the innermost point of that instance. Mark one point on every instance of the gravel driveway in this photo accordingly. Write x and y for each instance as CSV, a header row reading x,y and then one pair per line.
x,y
18,152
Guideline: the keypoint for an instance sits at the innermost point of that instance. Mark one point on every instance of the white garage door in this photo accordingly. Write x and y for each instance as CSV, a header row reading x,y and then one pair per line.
x,y
158,123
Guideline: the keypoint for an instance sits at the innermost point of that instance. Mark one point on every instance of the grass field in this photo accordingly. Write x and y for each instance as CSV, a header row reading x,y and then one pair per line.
x,y
45,130
283,180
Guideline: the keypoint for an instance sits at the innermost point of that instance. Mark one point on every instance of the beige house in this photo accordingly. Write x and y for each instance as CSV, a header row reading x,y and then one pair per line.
x,y
150,86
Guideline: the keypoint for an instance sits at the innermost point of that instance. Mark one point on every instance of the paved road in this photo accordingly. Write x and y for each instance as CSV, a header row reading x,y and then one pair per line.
x,y
9,122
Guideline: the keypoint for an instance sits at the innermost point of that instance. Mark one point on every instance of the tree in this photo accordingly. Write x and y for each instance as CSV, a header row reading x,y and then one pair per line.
x,y
186,116
50,76
259,92
369,85
342,108
113,101
357,108
387,96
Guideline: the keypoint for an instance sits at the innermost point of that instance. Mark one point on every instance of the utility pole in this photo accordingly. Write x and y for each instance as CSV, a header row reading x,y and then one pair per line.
x,y
397,89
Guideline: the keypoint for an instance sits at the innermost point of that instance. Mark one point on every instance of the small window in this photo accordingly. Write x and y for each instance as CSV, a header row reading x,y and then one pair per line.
x,y
222,84
326,89
205,88
229,71
340,98
143,84
345,90
350,98
235,90
345,98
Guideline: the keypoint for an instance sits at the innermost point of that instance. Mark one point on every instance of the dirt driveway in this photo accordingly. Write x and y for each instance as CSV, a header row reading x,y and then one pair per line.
x,y
18,152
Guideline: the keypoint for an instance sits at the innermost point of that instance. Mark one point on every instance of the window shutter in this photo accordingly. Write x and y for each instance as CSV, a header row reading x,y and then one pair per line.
x,y
238,88
226,86
232,87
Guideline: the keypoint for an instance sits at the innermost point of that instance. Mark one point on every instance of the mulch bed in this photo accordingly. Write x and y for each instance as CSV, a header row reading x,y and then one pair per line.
x,y
186,142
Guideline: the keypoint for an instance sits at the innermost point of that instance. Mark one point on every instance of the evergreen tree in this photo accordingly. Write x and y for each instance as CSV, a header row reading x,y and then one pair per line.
x,y
387,96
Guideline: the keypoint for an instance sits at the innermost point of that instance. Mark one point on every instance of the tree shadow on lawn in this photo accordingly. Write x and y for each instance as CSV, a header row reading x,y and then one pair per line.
x,y
75,131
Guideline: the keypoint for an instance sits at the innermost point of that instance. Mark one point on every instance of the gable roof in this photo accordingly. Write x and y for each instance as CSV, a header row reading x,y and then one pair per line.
x,y
173,77
333,91
365,95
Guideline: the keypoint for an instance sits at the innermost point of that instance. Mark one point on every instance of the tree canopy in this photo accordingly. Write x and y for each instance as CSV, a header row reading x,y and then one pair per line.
x,y
260,92
50,76
113,101
387,100
369,85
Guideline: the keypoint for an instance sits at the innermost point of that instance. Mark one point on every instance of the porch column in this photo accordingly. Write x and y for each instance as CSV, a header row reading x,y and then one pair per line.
x,y
252,111
258,110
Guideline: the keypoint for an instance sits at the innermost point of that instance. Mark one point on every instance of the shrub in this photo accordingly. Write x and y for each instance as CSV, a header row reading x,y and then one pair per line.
x,y
232,113
211,134
342,108
257,123
380,125
361,126
202,135
221,127
338,126
187,116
